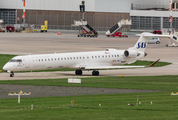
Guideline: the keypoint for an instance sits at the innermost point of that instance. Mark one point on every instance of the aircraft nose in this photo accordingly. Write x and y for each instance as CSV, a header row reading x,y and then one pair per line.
x,y
6,67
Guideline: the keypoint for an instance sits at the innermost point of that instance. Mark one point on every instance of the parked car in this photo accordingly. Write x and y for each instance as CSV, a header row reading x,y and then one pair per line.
x,y
157,32
154,40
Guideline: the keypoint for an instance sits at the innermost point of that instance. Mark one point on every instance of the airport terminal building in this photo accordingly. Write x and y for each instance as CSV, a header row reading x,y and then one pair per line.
x,y
152,14
100,14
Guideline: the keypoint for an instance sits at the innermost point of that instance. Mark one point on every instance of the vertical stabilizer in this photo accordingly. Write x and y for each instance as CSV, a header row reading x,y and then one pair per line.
x,y
143,41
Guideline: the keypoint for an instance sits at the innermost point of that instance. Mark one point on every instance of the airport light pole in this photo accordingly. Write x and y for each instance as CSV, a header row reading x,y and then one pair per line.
x,y
82,9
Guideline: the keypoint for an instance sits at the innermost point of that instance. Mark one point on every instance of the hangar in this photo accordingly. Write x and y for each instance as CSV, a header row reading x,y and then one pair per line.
x,y
101,14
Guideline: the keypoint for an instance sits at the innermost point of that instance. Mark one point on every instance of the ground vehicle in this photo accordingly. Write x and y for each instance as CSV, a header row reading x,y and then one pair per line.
x,y
31,28
10,29
154,40
157,32
87,31
44,28
117,34
113,31
84,33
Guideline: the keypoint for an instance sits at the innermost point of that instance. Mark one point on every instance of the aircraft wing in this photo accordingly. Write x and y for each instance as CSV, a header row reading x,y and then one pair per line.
x,y
113,67
152,35
110,67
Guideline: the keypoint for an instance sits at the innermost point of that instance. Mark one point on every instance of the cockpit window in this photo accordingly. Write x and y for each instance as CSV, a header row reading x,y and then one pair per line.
x,y
15,60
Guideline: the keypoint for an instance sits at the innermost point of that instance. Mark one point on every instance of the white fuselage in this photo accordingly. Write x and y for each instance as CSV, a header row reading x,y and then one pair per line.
x,y
78,60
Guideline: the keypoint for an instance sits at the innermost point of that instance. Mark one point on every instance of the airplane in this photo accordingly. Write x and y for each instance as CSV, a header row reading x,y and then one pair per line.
x,y
95,60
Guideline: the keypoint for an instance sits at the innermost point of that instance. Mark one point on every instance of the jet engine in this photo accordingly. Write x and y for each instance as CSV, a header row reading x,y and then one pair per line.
x,y
131,53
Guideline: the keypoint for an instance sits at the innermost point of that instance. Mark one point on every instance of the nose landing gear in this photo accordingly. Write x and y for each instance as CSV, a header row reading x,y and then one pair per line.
x,y
11,74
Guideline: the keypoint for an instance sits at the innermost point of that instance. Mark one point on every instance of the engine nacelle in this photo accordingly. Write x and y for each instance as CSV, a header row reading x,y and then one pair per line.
x,y
131,53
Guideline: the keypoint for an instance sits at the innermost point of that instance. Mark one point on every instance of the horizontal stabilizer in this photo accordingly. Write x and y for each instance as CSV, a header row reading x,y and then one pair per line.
x,y
152,35
154,63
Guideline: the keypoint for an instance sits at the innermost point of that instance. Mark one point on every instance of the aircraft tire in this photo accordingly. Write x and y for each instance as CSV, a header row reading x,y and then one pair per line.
x,y
95,73
11,74
78,72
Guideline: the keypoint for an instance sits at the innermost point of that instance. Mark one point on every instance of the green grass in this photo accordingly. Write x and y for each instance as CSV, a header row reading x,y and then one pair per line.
x,y
113,107
140,82
5,58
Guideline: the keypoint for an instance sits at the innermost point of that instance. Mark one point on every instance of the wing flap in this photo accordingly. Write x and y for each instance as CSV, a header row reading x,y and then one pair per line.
x,y
110,67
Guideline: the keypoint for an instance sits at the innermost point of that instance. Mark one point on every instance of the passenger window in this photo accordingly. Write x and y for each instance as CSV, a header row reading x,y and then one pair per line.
x,y
61,58
48,59
92,57
71,58
83,57
39,59
98,56
55,59
58,59
109,55
64,58
80,58
117,55
112,56
105,55
74,58
95,56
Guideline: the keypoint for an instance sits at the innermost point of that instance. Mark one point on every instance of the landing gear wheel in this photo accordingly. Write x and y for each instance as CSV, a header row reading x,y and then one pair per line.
x,y
95,73
11,74
78,72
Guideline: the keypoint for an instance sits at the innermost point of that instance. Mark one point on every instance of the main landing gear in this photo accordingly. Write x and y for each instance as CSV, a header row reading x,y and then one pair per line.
x,y
11,74
94,73
78,72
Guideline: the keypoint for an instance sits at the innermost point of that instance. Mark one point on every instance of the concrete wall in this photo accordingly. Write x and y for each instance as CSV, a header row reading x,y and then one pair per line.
x,y
100,20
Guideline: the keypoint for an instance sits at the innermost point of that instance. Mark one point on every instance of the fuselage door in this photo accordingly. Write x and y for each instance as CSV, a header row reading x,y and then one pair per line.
x,y
26,61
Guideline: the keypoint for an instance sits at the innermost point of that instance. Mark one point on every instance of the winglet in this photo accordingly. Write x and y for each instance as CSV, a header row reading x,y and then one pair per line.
x,y
154,63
